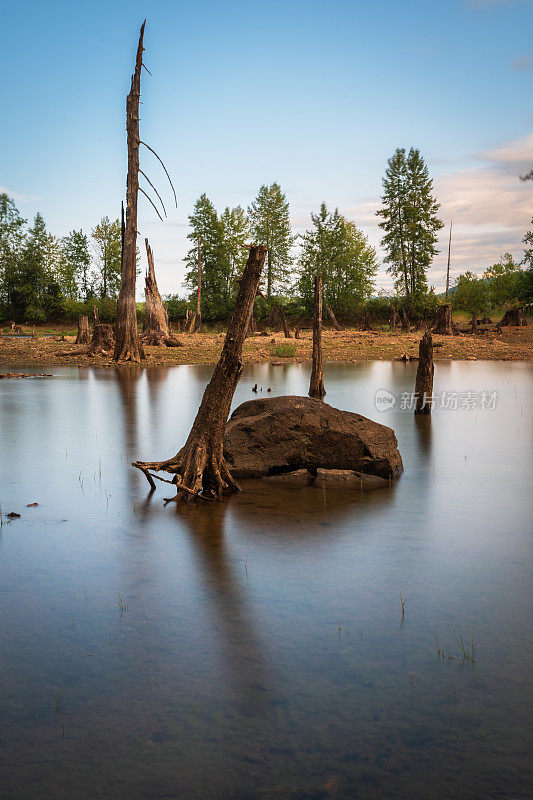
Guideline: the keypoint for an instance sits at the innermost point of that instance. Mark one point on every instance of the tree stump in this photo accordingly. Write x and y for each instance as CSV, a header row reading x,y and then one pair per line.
x,y
96,318
156,329
103,340
443,320
286,331
83,337
424,375
513,316
406,327
316,385
199,469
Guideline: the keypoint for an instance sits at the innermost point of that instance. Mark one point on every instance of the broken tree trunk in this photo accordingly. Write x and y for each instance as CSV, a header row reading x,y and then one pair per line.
x,y
406,327
198,321
424,375
443,320
128,346
156,329
199,468
513,316
331,315
316,385
83,337
96,318
102,343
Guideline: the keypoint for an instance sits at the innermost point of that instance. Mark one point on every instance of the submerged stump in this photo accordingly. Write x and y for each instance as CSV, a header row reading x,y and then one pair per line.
x,y
316,385
424,375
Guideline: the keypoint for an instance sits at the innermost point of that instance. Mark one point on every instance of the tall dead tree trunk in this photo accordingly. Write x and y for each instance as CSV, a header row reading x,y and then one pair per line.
x,y
448,267
156,329
316,385
199,468
198,322
331,315
83,336
424,375
128,346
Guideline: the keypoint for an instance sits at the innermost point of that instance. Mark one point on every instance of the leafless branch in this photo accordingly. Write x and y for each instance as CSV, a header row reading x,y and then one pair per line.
x,y
152,202
166,171
155,190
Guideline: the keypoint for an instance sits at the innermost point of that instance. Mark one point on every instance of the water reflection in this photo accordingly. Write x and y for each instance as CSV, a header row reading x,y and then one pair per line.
x,y
241,639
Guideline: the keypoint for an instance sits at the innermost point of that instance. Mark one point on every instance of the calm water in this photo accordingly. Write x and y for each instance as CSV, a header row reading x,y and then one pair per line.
x,y
256,648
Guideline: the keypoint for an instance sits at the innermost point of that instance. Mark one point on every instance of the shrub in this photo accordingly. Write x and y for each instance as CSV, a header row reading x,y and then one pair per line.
x,y
283,350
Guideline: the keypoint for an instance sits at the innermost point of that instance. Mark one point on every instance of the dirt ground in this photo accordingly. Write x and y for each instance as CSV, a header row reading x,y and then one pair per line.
x,y
513,344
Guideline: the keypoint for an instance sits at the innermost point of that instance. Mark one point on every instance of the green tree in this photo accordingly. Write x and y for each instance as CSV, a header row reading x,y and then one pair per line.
x,y
270,224
503,281
12,235
208,229
409,221
336,249
34,289
236,235
471,294
107,246
76,278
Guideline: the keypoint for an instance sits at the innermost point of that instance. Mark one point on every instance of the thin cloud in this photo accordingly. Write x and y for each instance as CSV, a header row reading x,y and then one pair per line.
x,y
22,198
522,63
484,4
491,210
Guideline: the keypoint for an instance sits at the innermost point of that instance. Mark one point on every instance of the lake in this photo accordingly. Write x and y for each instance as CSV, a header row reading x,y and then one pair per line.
x,y
256,648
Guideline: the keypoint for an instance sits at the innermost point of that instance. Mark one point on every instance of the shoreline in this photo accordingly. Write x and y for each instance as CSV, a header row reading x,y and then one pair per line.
x,y
350,346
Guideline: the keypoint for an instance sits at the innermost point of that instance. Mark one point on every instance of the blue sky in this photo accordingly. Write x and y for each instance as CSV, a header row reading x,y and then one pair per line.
x,y
316,95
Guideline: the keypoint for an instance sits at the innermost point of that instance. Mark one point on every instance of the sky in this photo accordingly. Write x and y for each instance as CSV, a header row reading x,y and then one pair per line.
x,y
315,95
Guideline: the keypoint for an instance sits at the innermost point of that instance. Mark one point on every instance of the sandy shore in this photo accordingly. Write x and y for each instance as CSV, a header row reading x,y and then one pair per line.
x,y
513,344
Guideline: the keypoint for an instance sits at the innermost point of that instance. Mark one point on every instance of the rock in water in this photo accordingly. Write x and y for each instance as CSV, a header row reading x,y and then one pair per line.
x,y
281,434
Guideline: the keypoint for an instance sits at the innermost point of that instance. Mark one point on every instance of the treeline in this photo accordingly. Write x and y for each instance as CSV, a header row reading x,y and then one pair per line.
x,y
43,277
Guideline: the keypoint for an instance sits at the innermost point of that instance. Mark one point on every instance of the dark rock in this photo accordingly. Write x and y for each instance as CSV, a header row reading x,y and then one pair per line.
x,y
275,435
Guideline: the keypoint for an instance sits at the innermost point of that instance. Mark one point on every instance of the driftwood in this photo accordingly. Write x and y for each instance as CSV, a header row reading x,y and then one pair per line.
x,y
443,320
424,375
199,468
128,346
83,337
156,329
316,385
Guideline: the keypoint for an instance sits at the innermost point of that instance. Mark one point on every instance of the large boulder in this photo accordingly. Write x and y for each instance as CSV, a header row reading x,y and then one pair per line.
x,y
283,434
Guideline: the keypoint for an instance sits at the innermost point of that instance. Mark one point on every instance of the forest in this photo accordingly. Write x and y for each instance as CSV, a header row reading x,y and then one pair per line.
x,y
47,278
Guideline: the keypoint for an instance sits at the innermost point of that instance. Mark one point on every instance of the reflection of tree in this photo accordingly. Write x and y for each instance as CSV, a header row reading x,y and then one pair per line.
x,y
127,381
425,435
241,643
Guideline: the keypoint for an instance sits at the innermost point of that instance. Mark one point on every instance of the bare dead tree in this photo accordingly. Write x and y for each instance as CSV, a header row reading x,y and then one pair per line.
x,y
128,346
448,268
424,375
199,468
316,385
156,329
83,336
198,322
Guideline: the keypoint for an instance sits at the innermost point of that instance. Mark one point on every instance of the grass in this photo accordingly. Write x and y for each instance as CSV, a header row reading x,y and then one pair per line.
x,y
283,350
122,605
403,601
466,651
